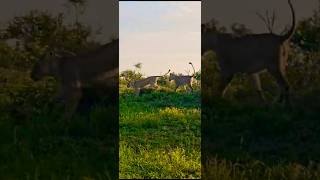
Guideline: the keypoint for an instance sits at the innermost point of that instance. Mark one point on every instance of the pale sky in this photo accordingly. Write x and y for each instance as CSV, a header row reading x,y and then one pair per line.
x,y
98,14
161,35
244,12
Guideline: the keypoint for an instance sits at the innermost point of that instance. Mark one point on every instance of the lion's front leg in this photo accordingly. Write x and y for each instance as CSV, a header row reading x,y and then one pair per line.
x,y
69,95
137,91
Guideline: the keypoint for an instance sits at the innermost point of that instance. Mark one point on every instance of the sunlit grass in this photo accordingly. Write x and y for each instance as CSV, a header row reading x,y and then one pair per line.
x,y
142,162
160,136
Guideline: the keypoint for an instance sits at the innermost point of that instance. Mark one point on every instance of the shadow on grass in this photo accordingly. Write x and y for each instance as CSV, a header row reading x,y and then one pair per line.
x,y
35,145
237,136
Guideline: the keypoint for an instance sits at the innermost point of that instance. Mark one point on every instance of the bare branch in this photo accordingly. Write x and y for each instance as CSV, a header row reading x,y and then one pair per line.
x,y
268,20
273,18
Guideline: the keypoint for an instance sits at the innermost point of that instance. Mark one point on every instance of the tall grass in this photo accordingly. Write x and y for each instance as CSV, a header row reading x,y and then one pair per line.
x,y
160,135
34,143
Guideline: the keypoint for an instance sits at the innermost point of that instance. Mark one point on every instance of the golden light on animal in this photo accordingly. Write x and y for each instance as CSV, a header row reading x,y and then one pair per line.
x,y
149,81
182,80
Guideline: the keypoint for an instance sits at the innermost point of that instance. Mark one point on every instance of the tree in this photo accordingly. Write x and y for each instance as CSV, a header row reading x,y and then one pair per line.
x,y
130,75
240,29
78,6
307,35
40,32
214,26
268,20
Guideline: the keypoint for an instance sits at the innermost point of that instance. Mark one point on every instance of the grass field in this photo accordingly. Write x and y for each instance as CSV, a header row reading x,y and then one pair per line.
x,y
246,141
160,135
34,143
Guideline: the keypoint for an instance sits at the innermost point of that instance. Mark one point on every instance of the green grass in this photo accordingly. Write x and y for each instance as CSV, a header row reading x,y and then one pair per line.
x,y
34,143
246,141
40,149
221,169
160,135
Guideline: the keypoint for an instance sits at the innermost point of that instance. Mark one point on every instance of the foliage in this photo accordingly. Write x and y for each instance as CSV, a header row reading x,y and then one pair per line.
x,y
130,75
240,29
307,36
197,76
38,32
214,26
